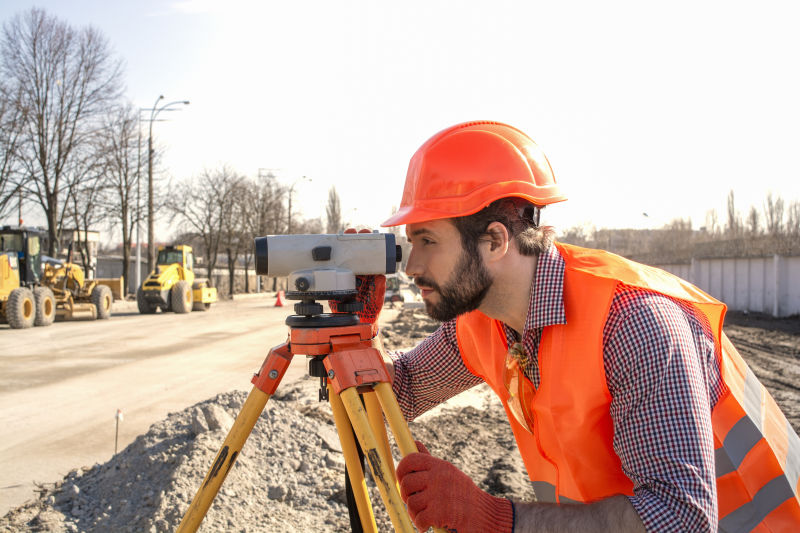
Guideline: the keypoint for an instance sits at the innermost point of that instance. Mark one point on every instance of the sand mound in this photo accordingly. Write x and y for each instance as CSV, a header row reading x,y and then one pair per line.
x,y
289,477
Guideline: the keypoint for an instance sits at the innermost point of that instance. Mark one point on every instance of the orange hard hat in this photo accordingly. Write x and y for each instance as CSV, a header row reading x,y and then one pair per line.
x,y
464,168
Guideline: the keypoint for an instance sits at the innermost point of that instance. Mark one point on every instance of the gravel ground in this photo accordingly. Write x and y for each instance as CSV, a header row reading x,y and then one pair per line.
x,y
289,476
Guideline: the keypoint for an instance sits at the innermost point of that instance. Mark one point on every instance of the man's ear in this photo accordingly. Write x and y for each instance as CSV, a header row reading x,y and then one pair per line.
x,y
499,241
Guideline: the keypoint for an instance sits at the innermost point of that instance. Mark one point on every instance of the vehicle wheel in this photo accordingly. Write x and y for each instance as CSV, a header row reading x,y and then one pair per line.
x,y
20,308
200,306
145,307
45,306
181,297
102,298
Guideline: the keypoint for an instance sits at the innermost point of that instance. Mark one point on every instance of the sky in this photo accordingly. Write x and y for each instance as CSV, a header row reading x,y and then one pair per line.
x,y
647,111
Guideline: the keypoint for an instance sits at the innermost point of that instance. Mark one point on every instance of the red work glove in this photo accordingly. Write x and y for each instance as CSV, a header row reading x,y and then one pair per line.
x,y
439,495
371,290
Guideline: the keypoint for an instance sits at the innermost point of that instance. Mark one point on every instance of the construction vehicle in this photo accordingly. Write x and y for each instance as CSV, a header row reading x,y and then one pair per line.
x,y
35,290
76,296
17,302
23,300
173,286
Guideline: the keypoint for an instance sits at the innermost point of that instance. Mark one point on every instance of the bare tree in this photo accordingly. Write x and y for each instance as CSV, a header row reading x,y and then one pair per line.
x,y
734,225
309,225
264,211
712,222
83,208
264,206
793,219
580,235
773,215
201,204
334,212
233,222
66,79
10,129
753,221
119,150
673,239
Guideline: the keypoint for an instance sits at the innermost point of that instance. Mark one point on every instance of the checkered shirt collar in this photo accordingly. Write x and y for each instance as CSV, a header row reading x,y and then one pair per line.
x,y
547,297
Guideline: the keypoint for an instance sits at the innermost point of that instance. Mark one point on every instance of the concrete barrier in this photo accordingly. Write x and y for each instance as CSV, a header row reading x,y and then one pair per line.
x,y
768,285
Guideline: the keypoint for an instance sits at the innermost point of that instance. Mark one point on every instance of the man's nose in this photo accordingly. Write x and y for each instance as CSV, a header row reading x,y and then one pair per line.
x,y
413,267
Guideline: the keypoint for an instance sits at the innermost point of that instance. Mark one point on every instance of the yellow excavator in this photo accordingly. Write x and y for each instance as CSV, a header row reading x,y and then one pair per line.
x,y
173,286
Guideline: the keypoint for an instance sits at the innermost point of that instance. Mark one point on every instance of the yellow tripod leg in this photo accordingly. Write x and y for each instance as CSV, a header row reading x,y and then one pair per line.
x,y
389,493
354,471
397,423
266,381
375,416
226,456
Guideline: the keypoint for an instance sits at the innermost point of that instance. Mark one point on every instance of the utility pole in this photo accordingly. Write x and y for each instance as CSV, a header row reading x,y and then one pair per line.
x,y
138,207
151,252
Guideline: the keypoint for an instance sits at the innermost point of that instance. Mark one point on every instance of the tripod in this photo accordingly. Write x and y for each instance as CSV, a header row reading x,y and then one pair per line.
x,y
341,354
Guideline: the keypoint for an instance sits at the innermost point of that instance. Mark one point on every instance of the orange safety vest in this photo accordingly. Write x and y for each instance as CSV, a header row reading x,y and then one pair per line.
x,y
570,457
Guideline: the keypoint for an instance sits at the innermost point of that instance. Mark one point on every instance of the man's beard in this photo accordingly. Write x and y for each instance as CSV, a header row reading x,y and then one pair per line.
x,y
463,293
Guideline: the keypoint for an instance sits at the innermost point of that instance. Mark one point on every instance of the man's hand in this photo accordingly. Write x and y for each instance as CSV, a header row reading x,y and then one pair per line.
x,y
440,495
370,292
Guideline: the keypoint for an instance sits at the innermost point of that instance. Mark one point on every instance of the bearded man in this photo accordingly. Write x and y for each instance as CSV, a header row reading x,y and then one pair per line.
x,y
630,408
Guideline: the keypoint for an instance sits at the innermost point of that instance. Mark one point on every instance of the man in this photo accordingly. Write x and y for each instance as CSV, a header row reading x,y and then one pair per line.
x,y
630,408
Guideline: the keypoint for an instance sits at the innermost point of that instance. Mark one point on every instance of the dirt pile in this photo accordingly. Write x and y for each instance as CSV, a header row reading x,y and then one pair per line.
x,y
290,477
409,327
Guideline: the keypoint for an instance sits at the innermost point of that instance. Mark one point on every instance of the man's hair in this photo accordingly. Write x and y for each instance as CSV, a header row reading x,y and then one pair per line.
x,y
519,216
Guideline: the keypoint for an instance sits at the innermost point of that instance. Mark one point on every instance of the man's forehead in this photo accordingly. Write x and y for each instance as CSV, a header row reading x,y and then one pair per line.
x,y
430,227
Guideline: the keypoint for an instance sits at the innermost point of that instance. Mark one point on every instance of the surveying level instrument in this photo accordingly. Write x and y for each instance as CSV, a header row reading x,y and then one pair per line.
x,y
340,352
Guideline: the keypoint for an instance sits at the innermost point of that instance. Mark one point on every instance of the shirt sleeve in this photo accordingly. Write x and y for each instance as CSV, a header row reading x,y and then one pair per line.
x,y
663,377
431,373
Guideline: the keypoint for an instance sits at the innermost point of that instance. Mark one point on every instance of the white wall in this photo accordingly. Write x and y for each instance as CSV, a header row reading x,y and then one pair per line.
x,y
763,284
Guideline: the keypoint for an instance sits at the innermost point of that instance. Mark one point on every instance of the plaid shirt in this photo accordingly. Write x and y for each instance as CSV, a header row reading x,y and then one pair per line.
x,y
662,374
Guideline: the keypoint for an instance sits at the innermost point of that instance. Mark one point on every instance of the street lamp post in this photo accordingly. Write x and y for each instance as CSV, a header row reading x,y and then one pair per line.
x,y
151,253
291,190
138,206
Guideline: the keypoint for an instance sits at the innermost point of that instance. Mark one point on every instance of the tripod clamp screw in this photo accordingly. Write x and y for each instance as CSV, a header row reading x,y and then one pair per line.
x,y
331,374
273,374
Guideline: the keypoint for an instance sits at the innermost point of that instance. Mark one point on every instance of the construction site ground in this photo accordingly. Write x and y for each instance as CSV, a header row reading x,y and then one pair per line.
x,y
178,381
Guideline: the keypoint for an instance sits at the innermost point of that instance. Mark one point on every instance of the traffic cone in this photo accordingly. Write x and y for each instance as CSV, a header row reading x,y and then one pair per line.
x,y
279,301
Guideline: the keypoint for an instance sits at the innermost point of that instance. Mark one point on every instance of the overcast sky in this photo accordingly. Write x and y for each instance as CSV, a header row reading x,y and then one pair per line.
x,y
641,107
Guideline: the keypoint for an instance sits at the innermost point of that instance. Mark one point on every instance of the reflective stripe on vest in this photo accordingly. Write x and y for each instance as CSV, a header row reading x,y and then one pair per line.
x,y
756,450
757,454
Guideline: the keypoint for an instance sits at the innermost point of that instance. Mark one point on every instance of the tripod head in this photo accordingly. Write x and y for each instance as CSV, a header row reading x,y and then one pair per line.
x,y
324,267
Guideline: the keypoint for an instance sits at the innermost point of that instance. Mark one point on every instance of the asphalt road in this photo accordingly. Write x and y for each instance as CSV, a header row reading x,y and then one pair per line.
x,y
61,386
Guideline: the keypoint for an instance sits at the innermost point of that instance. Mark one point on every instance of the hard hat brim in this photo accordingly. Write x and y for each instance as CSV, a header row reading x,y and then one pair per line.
x,y
414,214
